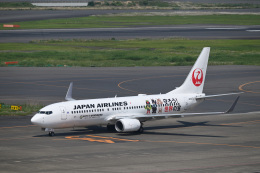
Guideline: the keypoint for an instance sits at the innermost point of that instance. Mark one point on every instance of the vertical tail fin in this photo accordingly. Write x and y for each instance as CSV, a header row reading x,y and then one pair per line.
x,y
194,82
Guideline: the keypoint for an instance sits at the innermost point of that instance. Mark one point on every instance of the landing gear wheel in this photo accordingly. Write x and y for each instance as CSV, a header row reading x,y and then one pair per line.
x,y
51,134
111,128
141,130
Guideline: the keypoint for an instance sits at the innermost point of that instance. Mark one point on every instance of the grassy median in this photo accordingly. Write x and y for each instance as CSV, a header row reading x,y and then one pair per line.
x,y
26,109
134,52
129,21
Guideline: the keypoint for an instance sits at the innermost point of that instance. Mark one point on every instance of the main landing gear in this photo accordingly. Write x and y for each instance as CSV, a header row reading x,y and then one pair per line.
x,y
111,128
51,134
141,130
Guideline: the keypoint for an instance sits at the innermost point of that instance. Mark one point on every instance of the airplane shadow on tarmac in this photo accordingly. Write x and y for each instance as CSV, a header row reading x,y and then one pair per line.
x,y
147,130
185,124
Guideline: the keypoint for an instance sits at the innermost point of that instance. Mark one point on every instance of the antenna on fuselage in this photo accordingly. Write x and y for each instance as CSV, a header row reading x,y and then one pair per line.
x,y
69,93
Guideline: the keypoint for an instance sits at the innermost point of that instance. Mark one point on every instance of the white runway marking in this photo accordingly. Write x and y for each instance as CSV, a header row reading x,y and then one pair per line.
x,y
222,28
253,30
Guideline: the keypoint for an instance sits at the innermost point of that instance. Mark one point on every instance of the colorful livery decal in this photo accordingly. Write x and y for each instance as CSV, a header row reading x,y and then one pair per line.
x,y
159,106
148,107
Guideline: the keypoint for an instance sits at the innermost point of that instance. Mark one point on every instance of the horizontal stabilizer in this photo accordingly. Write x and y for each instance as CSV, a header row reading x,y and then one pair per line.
x,y
218,95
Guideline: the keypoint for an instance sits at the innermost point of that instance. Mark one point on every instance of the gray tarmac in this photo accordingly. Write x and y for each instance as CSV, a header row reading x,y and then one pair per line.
x,y
47,85
209,144
177,31
225,143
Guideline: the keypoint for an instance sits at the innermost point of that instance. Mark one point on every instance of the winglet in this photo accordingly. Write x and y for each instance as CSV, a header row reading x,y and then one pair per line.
x,y
69,93
233,106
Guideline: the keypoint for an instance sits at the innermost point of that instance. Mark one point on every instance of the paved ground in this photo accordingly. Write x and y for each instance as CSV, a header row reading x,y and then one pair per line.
x,y
48,85
178,31
197,144
209,144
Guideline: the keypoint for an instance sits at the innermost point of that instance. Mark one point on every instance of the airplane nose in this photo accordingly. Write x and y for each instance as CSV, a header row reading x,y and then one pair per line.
x,y
36,120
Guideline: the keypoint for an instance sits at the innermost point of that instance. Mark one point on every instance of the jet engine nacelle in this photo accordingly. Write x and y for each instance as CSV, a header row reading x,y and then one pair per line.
x,y
127,125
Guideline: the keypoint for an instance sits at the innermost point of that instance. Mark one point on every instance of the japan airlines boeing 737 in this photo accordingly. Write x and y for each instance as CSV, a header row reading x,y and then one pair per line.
x,y
127,114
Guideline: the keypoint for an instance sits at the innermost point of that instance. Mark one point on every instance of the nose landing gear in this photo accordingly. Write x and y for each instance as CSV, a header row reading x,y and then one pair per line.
x,y
51,131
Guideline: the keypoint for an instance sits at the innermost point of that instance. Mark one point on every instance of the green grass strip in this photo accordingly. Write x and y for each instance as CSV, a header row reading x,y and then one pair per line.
x,y
15,4
128,21
27,109
136,52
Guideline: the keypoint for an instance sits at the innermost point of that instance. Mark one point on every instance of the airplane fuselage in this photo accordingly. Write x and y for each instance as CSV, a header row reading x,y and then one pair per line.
x,y
81,113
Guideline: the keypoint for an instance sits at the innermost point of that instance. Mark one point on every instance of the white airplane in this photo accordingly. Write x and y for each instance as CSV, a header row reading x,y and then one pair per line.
x,y
127,114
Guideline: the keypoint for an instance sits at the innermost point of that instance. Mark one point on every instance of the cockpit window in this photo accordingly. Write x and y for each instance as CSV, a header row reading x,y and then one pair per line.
x,y
45,112
49,112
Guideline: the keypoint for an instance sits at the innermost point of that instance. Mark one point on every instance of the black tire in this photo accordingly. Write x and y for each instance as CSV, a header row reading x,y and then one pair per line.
x,y
111,128
141,130
51,134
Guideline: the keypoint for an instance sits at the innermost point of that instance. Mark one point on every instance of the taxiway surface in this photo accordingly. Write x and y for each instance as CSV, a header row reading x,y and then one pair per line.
x,y
226,143
177,31
209,144
47,85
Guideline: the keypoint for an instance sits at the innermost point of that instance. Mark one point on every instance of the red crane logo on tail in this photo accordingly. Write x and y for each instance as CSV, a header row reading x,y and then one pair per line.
x,y
197,77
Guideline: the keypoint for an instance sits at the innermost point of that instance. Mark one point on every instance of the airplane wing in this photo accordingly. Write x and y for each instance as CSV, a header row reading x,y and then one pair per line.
x,y
145,117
